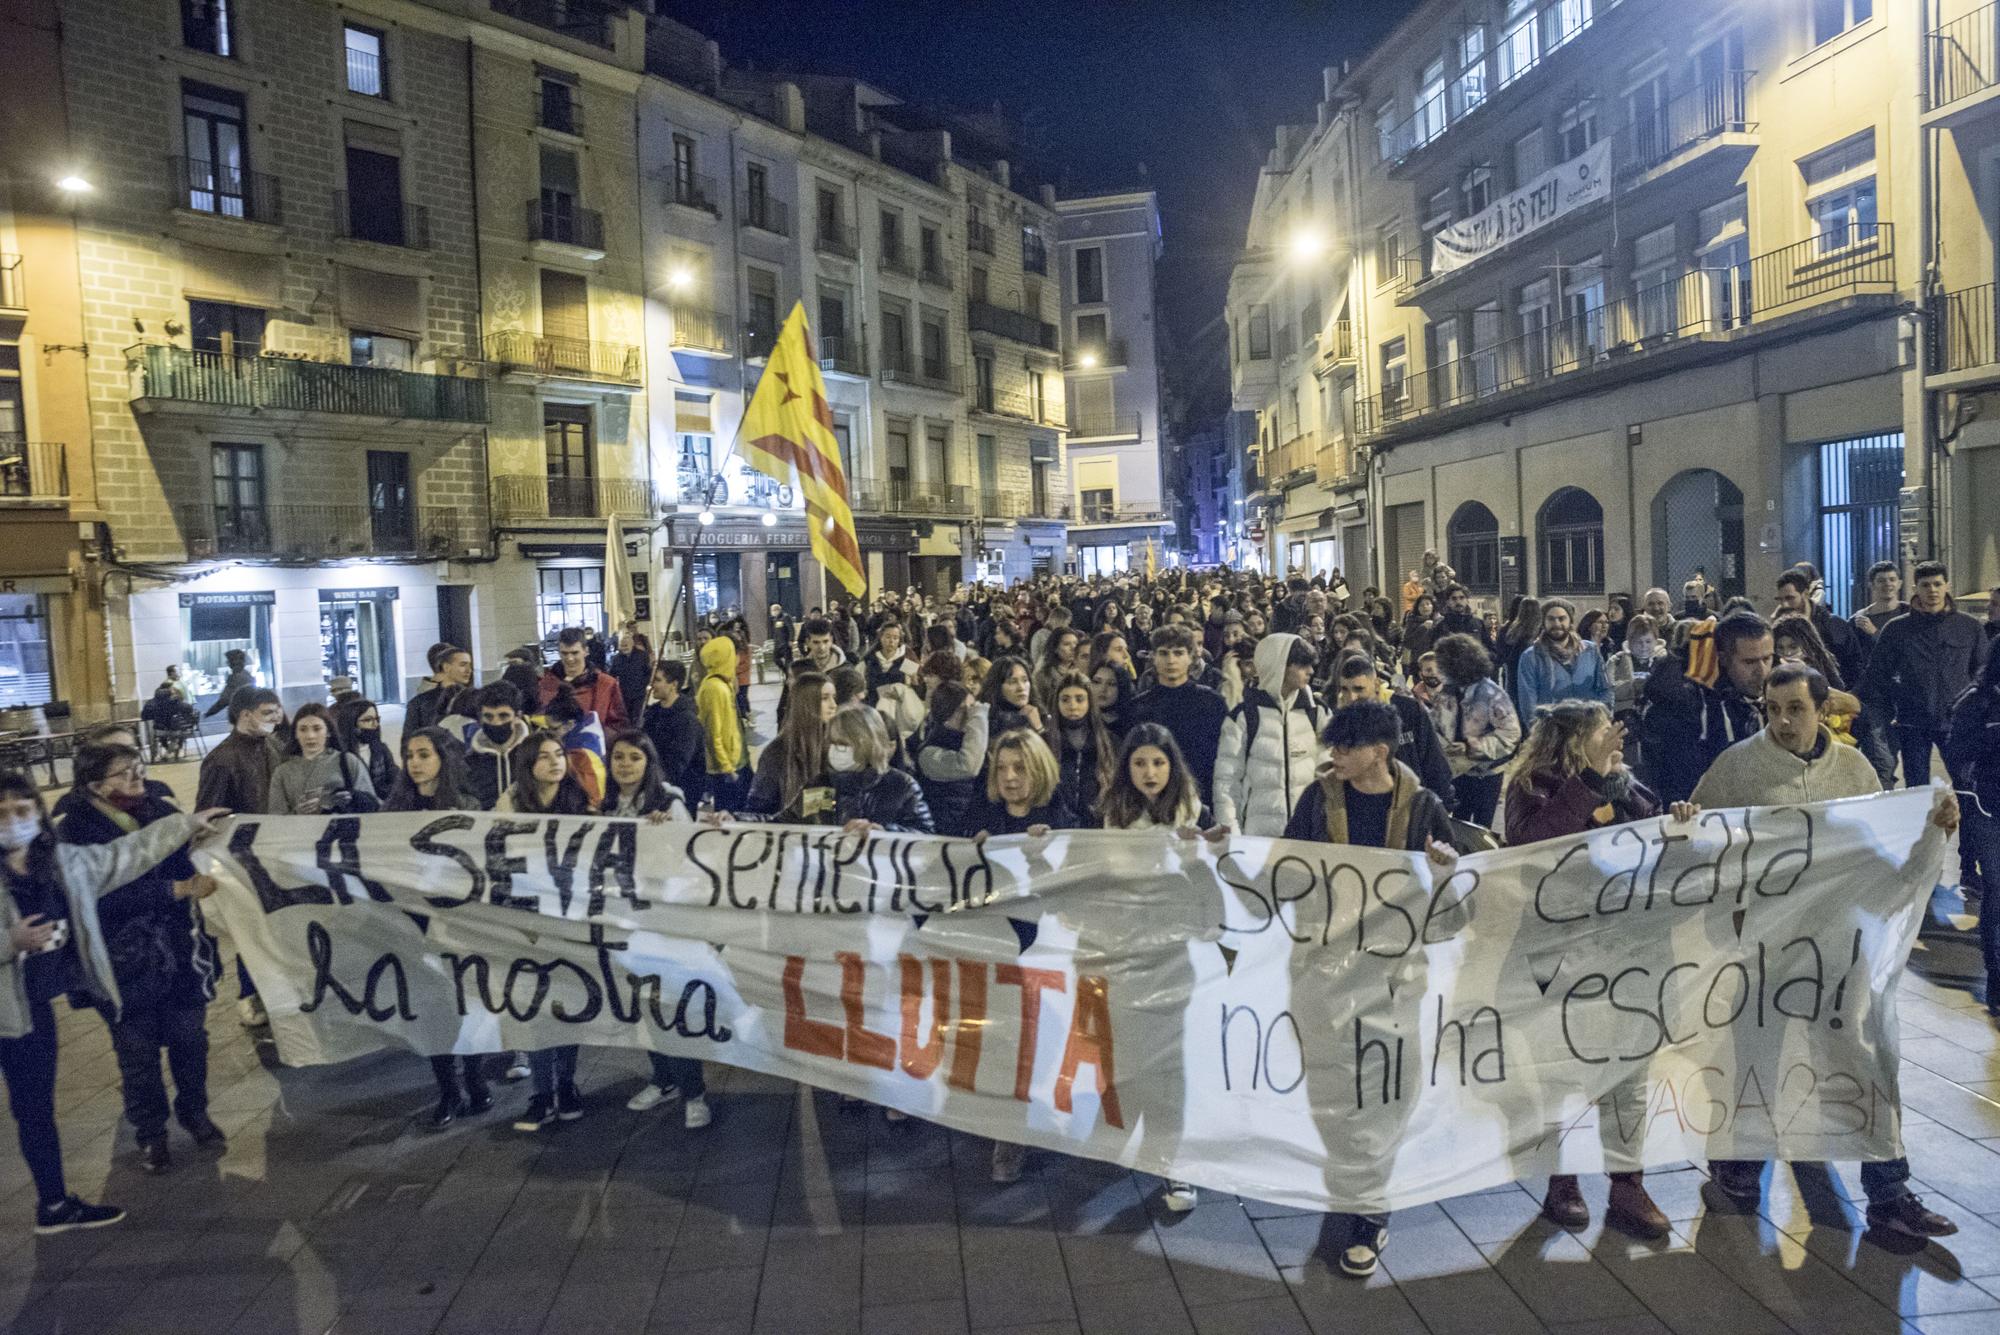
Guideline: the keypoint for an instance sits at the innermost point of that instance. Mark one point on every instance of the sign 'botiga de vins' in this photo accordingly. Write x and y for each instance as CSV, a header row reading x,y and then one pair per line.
x,y
1305,1023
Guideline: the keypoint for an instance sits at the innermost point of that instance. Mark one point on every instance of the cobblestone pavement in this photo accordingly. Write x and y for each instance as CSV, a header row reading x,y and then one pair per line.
x,y
332,1209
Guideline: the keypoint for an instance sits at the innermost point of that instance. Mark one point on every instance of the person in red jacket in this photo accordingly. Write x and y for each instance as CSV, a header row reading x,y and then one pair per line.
x,y
598,692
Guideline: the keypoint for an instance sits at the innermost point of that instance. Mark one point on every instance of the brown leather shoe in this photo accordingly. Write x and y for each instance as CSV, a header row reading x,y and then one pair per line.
x,y
1632,1211
1564,1205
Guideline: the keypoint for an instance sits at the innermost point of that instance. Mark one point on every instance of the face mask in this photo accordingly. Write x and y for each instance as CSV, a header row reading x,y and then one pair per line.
x,y
497,732
19,831
840,759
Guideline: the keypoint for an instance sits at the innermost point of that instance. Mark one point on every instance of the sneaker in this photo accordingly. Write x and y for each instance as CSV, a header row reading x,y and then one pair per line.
x,y
1741,1181
446,1112
517,1067
1008,1160
1907,1215
250,1013
478,1101
1180,1197
569,1103
651,1097
697,1114
541,1113
204,1131
70,1213
154,1156
1364,1252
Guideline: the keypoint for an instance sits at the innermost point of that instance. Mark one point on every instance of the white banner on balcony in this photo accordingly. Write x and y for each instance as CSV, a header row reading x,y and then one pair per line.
x,y
1583,180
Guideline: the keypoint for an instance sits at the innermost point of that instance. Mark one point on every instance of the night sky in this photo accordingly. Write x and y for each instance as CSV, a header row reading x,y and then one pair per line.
x,y
1182,96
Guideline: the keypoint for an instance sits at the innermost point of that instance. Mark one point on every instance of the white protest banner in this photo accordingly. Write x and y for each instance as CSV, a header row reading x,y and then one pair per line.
x,y
1564,188
1304,1023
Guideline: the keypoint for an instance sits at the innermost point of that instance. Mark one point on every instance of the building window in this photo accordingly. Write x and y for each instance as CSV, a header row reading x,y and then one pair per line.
x,y
1395,368
367,62
687,189
1100,504
1520,44
1476,189
937,454
760,327
1103,559
218,152
1385,131
1089,266
1858,485
931,332
1034,251
1388,256
1093,334
1571,531
1536,315
1563,22
237,479
1038,401
209,25
558,105
694,428
1656,282
1723,260
988,448
1830,18
1469,90
566,449
213,624
569,596
1259,333
1840,193
891,223
375,194
26,677
1531,157
386,351
1576,131
982,381
896,455
232,331
392,514
930,250
1472,540
975,284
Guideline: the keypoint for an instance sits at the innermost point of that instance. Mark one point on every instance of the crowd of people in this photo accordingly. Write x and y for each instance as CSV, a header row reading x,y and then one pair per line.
x,y
1208,703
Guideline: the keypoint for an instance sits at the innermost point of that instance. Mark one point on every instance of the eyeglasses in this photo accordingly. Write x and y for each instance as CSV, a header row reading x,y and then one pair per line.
x,y
134,772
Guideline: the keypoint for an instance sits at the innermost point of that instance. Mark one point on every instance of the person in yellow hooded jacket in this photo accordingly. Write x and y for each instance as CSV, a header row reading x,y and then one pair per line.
x,y
715,703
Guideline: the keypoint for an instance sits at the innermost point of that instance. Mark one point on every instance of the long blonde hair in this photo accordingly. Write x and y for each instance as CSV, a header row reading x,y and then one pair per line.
x,y
1555,744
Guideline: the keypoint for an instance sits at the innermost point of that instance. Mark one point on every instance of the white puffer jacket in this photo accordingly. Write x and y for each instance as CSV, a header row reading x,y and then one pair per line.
x,y
1270,749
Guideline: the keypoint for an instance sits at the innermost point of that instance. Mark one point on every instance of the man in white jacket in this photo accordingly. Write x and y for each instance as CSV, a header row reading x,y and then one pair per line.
x,y
1270,749
1795,759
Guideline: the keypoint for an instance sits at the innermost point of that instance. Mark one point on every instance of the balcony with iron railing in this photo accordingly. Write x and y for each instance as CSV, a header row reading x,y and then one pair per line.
x,y
1034,254
560,221
835,236
408,226
900,366
902,496
1103,512
843,354
697,330
565,358
934,272
13,283
1964,58
1338,463
1707,114
1101,354
694,190
1961,329
33,472
1697,307
1103,425
979,237
998,504
1336,346
328,532
764,214
519,497
896,260
171,375
225,190
1015,404
1297,460
983,317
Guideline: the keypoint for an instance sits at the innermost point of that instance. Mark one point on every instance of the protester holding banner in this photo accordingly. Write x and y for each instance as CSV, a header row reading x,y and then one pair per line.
x,y
165,963
868,792
1359,678
55,942
317,776
673,726
357,730
1704,699
791,783
1477,724
1024,790
1570,777
1083,746
581,733
1795,759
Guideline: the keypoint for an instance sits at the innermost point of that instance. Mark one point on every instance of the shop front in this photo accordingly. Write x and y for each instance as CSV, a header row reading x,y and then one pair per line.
x,y
740,564
357,636
887,547
51,624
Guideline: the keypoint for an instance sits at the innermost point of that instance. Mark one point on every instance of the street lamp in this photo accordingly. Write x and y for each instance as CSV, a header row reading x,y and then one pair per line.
x,y
680,279
72,183
770,519
706,517
1308,243
1087,359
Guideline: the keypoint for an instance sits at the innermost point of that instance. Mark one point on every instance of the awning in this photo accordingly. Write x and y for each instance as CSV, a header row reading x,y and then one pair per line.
x,y
381,303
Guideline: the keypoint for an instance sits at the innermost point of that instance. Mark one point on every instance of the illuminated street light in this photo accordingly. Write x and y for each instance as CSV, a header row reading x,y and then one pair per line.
x,y
73,184
1087,359
706,517
770,519
1307,244
680,279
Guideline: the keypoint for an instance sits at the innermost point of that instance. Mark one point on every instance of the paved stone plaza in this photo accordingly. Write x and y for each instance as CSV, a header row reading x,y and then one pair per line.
x,y
333,1209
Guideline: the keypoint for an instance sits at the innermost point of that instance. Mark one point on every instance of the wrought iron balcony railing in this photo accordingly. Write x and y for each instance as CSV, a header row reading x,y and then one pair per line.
x,y
705,331
359,220
1715,106
226,190
901,496
1095,355
979,237
1005,322
1961,330
1964,57
328,532
33,470
843,353
524,496
13,283
693,190
561,220
902,367
833,236
764,213
231,381
558,355
1102,425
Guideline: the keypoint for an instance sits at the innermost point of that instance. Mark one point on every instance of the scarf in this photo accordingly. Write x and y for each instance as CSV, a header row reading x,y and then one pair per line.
x,y
1402,797
1565,650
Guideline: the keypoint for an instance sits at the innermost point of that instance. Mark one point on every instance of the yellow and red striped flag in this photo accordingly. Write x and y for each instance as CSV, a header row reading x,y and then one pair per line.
x,y
788,435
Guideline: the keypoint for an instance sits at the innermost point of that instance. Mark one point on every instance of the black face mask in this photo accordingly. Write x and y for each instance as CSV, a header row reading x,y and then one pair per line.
x,y
497,732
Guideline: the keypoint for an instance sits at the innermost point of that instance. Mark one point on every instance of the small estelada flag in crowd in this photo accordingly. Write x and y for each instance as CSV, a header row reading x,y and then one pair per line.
x,y
788,436
1152,561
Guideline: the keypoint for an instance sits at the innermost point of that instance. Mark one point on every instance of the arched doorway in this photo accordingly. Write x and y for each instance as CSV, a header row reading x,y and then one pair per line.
x,y
1472,546
1569,534
1698,524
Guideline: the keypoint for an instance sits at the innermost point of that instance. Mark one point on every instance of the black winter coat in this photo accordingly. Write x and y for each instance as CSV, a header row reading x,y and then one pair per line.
x,y
891,799
1922,662
678,736
144,912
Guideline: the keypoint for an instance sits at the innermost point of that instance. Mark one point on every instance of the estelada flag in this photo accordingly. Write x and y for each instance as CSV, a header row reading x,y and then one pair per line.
x,y
788,436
